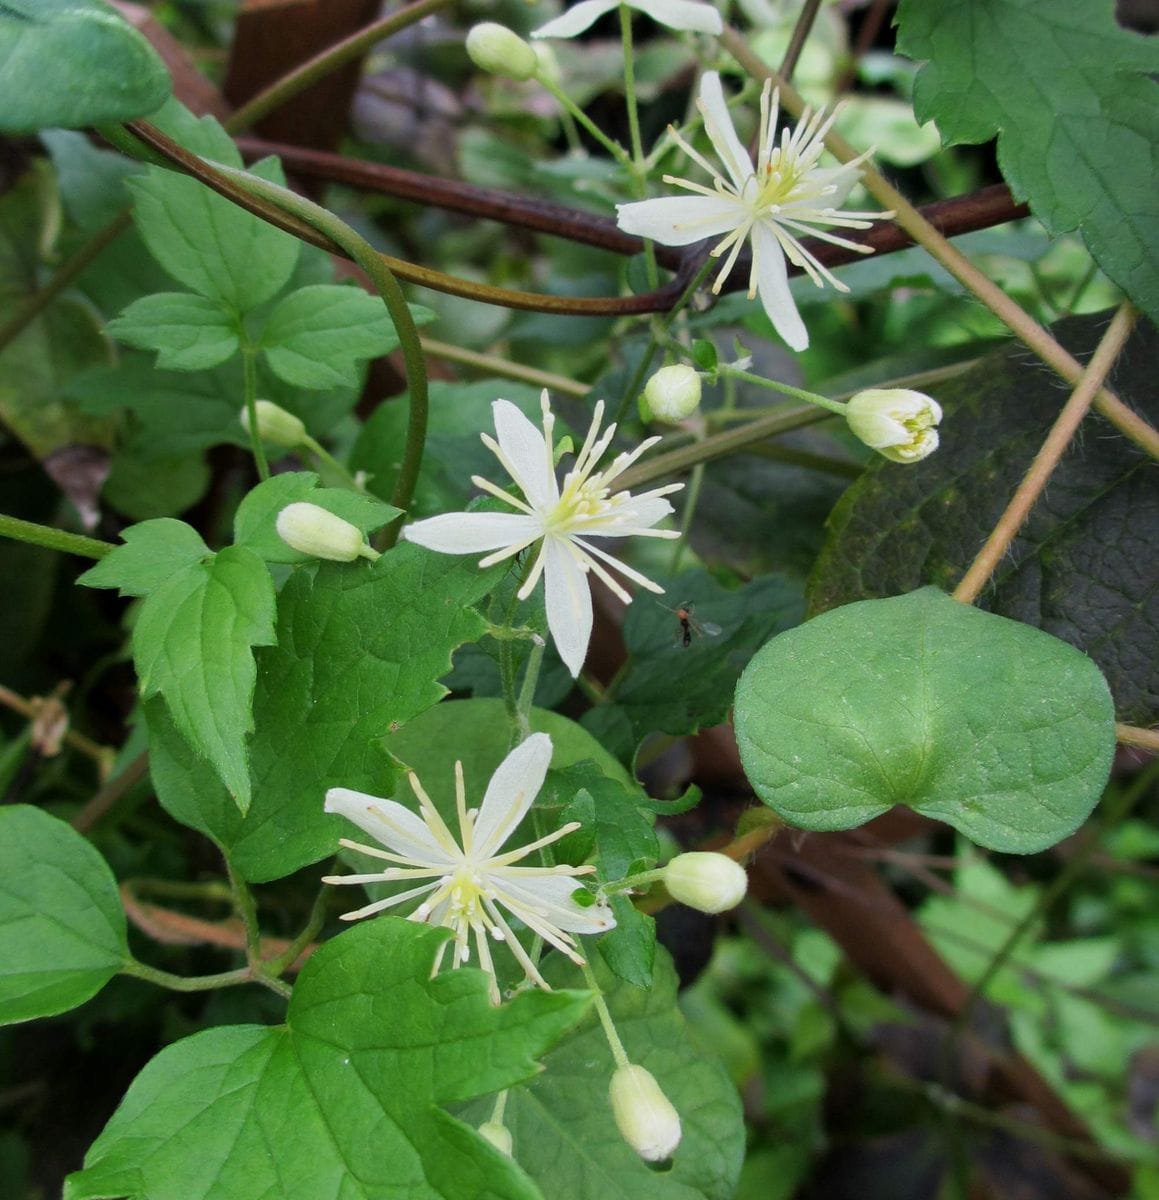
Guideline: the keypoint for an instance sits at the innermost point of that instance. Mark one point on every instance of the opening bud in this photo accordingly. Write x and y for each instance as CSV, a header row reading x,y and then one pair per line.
x,y
313,530
498,1135
672,394
706,881
644,1115
895,422
500,51
275,425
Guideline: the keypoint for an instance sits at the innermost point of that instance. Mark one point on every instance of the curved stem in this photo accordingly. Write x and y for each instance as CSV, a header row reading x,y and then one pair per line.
x,y
201,983
1020,322
786,389
503,367
619,1054
1048,456
53,539
250,393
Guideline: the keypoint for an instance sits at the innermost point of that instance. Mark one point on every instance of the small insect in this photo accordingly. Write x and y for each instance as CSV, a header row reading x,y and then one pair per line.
x,y
690,627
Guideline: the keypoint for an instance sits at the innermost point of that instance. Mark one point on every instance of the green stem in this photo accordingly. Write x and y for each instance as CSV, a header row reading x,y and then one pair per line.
x,y
392,295
53,539
619,1054
612,147
511,700
314,922
527,691
188,983
247,910
775,385
316,448
639,172
250,393
687,512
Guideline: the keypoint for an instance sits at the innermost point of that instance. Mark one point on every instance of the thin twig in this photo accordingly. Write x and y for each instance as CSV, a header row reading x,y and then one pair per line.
x,y
1132,735
1048,456
799,36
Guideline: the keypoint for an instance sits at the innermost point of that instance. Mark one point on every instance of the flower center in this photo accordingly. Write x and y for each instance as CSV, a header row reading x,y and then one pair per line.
x,y
776,183
584,500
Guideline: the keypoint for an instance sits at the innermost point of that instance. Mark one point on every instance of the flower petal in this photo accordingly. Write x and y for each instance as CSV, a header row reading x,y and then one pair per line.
x,y
568,599
680,220
577,18
510,793
639,515
551,896
472,533
388,822
719,127
773,285
526,453
681,14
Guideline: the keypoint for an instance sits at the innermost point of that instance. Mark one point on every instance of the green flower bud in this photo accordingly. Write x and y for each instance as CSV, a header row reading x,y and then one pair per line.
x,y
500,51
275,425
644,1115
706,881
895,422
498,1135
313,530
672,394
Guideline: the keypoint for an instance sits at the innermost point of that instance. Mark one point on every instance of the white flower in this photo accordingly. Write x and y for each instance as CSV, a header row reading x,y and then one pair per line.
x,y
561,519
469,879
686,15
896,422
785,196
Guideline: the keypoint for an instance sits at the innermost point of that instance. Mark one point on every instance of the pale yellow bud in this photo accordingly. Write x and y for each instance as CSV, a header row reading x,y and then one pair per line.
x,y
711,883
498,1135
644,1115
895,422
500,51
672,394
313,530
275,425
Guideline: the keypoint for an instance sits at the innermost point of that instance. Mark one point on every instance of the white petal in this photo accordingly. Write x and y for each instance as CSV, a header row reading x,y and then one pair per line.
x,y
577,18
510,793
472,533
842,178
719,127
641,513
552,895
681,14
569,603
680,220
397,828
526,452
773,285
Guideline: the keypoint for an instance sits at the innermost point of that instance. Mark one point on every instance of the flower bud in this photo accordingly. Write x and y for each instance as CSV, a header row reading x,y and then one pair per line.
x,y
498,1135
706,881
500,51
644,1115
672,394
895,422
275,425
315,531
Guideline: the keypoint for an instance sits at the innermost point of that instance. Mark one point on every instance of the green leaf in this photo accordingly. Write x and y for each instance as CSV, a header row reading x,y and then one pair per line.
x,y
1081,567
189,333
352,1090
668,687
561,1121
72,63
154,552
219,250
1066,89
317,336
62,928
254,525
192,644
1000,730
359,650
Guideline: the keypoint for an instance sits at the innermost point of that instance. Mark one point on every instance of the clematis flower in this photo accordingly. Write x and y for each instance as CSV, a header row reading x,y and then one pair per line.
x,y
784,197
560,519
466,881
896,422
688,15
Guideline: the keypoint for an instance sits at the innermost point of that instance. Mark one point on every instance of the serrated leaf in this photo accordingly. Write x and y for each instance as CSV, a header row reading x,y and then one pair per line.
x,y
352,1089
1066,90
189,333
62,928
669,687
592,1161
192,644
221,251
154,551
1002,731
317,336
360,648
43,44
1081,567
255,522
